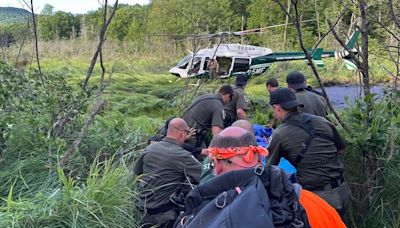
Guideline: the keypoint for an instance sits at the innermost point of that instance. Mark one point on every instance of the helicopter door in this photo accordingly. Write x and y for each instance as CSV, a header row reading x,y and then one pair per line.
x,y
225,64
240,65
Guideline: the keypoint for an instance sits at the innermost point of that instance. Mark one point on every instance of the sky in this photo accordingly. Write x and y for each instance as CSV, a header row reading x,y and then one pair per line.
x,y
73,6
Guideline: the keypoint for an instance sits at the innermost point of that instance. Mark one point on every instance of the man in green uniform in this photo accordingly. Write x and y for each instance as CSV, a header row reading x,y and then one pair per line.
x,y
207,113
166,171
312,102
236,109
271,84
312,144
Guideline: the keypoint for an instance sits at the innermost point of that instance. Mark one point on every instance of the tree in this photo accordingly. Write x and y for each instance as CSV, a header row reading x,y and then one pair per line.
x,y
47,9
263,13
129,23
61,25
182,17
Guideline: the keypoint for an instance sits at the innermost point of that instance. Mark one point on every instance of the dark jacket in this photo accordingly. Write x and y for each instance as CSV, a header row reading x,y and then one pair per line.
x,y
165,167
281,198
321,163
205,111
312,103
239,101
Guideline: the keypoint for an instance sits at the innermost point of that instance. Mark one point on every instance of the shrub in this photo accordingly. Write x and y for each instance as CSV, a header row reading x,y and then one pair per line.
x,y
373,158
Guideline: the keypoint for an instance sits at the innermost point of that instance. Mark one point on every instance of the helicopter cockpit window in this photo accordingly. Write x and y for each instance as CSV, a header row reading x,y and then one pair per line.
x,y
196,65
184,62
241,65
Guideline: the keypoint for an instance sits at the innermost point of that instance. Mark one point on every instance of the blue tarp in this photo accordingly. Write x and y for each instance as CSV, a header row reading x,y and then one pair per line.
x,y
263,135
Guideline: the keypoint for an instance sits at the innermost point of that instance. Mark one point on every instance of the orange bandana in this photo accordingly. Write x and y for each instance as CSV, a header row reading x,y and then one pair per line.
x,y
230,152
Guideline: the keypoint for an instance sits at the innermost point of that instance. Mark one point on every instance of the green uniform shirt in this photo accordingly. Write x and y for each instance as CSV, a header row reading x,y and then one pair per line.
x,y
206,111
313,103
164,167
239,101
324,164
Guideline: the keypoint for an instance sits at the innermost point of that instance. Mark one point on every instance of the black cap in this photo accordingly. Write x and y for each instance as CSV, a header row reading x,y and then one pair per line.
x,y
284,97
241,79
296,80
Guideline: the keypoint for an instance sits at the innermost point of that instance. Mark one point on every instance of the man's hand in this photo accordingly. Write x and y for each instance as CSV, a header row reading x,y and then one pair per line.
x,y
192,133
204,152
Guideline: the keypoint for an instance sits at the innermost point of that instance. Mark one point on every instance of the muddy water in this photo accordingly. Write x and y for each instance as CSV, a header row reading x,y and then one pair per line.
x,y
338,94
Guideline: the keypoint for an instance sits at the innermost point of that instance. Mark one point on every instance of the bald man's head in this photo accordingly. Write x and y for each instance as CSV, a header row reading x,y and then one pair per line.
x,y
233,137
234,148
245,124
177,129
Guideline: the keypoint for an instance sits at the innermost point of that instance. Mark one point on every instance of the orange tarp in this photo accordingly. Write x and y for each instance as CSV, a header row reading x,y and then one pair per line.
x,y
320,214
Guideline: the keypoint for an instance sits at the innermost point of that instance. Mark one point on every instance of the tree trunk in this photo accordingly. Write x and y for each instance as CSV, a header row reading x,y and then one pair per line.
x,y
364,47
286,25
317,15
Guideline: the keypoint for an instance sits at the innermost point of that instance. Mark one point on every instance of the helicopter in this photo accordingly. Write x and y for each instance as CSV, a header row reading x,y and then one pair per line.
x,y
238,58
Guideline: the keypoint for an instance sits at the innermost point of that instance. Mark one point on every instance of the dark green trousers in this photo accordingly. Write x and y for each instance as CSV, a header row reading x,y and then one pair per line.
x,y
338,198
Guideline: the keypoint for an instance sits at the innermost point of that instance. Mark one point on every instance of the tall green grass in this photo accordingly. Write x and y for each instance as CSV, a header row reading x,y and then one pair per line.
x,y
373,159
104,199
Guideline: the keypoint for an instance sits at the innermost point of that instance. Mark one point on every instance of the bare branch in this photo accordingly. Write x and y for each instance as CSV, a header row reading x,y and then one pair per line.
x,y
102,39
297,25
22,44
327,33
372,17
395,19
100,103
36,38
71,151
343,44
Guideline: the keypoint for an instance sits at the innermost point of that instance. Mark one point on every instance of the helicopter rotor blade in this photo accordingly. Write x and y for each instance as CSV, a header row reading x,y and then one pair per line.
x,y
225,33
263,29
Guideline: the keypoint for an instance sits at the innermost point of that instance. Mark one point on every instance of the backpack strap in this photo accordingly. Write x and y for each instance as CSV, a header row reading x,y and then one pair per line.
x,y
306,126
215,186
283,199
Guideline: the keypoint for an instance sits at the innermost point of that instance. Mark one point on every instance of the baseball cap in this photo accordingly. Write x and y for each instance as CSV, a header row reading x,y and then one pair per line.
x,y
241,79
284,97
296,80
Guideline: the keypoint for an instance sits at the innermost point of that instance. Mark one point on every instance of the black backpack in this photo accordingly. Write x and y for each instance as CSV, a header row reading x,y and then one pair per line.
x,y
244,198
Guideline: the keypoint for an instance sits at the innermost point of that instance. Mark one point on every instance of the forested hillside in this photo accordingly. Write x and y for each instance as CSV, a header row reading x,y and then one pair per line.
x,y
80,97
9,15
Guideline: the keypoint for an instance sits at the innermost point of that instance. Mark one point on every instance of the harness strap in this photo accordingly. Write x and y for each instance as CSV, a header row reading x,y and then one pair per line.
x,y
316,163
306,126
306,145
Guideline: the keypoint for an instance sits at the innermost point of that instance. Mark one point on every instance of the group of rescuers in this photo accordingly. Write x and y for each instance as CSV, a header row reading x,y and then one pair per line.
x,y
169,168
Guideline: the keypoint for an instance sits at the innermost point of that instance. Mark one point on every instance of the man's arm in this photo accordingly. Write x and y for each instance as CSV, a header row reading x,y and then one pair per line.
x,y
274,149
241,114
217,119
138,169
242,105
190,166
216,129
338,140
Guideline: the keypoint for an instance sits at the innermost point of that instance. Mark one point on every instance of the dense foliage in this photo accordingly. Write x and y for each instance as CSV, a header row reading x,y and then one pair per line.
x,y
177,17
95,189
374,147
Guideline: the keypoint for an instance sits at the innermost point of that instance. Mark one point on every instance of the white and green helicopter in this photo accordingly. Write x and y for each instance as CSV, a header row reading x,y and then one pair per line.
x,y
235,58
